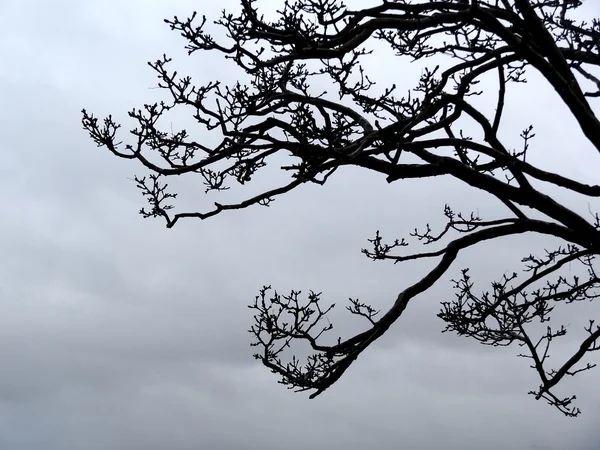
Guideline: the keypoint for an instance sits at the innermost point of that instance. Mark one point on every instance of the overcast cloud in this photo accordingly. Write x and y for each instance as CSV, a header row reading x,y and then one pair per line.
x,y
116,333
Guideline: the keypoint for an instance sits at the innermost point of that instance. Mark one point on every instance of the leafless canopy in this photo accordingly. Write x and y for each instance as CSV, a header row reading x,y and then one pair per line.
x,y
409,134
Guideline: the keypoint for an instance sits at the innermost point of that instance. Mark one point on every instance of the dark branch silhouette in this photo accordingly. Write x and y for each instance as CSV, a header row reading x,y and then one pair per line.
x,y
412,134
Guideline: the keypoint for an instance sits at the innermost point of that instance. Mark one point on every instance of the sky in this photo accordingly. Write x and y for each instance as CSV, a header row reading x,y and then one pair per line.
x,y
116,333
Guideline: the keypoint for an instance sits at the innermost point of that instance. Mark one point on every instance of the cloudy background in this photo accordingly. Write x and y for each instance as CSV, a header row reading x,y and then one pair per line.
x,y
116,333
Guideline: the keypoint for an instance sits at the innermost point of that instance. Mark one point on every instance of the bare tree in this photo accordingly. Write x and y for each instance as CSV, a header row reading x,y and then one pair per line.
x,y
414,134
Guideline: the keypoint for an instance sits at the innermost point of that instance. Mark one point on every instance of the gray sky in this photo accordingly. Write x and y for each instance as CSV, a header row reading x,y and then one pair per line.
x,y
116,333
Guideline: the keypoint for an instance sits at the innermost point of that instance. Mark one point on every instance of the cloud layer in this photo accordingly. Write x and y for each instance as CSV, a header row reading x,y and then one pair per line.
x,y
116,333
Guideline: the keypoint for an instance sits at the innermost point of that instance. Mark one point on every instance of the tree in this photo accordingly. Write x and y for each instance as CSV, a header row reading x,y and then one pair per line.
x,y
278,113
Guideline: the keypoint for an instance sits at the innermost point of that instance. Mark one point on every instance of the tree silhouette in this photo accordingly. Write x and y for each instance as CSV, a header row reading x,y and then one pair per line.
x,y
278,113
